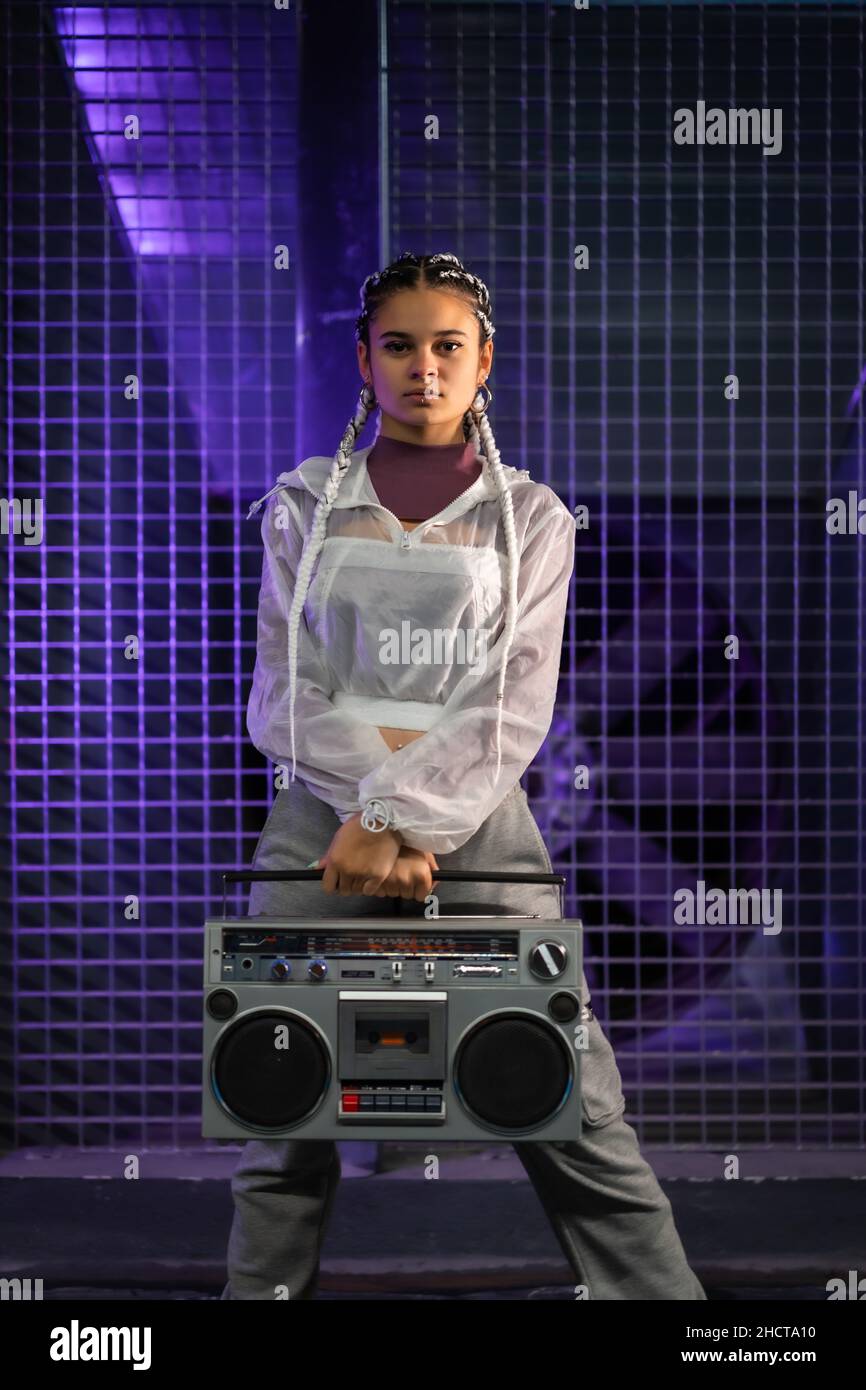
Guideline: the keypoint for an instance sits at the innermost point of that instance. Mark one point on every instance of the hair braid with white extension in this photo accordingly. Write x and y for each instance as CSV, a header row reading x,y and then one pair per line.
x,y
506,509
313,544
409,272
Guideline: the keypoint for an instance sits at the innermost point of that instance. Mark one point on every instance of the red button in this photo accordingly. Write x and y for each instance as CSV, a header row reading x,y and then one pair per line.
x,y
351,1102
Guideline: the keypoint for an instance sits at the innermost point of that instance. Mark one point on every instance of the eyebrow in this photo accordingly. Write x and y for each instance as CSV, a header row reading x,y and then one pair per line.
x,y
393,333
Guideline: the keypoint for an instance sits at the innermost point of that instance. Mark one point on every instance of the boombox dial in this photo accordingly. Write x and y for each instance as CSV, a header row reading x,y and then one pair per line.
x,y
547,959
317,969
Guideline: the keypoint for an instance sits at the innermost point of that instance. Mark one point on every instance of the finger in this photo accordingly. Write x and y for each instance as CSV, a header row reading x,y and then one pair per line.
x,y
400,880
371,886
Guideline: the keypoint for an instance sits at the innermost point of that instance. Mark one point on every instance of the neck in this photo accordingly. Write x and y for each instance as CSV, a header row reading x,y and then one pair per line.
x,y
448,432
418,480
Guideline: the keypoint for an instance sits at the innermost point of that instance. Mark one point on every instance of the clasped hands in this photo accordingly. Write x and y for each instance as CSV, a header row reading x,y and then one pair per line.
x,y
376,863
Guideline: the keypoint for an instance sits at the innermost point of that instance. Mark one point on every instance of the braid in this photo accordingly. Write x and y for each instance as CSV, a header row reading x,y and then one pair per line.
x,y
313,545
408,272
506,509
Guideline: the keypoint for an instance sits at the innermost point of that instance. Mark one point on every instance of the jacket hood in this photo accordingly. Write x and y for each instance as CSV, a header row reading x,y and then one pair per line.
x,y
312,474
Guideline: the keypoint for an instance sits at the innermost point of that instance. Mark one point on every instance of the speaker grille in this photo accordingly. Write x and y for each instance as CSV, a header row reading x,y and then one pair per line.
x,y
512,1072
262,1084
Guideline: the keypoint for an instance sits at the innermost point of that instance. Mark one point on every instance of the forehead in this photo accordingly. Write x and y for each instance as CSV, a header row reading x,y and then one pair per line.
x,y
433,309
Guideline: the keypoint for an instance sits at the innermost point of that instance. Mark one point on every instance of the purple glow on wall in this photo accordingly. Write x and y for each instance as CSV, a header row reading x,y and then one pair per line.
x,y
202,196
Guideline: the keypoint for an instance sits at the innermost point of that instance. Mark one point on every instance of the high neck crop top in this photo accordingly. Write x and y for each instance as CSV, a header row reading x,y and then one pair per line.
x,y
415,481
454,627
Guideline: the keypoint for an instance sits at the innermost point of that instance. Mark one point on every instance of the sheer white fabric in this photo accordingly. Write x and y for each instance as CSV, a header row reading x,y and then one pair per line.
x,y
397,619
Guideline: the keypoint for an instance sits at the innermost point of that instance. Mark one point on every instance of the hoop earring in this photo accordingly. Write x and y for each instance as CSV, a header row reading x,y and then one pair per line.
x,y
482,386
368,396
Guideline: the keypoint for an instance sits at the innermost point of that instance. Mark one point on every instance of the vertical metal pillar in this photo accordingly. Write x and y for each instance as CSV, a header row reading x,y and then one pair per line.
x,y
339,220
338,208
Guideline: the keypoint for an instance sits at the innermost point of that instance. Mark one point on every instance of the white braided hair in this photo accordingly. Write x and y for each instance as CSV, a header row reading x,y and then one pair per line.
x,y
476,428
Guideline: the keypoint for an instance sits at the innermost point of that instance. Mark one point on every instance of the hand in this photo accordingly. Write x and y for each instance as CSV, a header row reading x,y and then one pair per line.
x,y
410,876
359,860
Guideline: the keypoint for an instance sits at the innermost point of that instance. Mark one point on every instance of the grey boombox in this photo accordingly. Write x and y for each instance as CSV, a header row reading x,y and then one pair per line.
x,y
465,1027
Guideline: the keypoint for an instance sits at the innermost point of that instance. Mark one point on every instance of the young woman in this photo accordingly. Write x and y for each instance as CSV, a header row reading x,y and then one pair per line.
x,y
410,625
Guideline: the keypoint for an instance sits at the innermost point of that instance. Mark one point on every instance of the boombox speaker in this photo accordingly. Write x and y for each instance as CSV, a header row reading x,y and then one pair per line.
x,y
465,1027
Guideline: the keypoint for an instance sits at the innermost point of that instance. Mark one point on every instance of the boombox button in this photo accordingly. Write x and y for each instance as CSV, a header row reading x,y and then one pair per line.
x,y
415,1103
351,1102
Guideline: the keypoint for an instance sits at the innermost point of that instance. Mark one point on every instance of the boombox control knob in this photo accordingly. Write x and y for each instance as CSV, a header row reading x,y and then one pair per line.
x,y
547,959
317,969
281,969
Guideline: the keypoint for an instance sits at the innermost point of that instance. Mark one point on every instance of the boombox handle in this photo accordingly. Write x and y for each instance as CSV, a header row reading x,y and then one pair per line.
x,y
441,875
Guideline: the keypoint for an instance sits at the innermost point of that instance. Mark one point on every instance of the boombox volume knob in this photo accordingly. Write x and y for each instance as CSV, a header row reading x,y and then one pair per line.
x,y
547,959
317,969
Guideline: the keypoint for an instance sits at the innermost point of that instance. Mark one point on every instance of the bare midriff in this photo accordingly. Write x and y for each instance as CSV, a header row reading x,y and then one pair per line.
x,y
398,738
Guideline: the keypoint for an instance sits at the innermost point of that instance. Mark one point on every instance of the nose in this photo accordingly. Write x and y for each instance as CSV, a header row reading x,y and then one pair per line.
x,y
423,366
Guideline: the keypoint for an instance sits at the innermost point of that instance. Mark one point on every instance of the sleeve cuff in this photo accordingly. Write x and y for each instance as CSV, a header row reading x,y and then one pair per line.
x,y
378,815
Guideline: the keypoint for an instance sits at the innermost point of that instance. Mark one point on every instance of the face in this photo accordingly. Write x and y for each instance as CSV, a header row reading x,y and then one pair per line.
x,y
424,337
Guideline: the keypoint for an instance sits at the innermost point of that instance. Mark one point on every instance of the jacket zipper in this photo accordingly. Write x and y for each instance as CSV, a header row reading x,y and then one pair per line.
x,y
406,536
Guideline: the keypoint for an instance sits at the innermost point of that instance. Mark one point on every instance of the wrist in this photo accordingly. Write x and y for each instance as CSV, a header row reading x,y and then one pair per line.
x,y
378,816
373,836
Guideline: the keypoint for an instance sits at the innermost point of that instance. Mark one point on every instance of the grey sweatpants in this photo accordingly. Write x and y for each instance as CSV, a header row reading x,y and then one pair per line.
x,y
611,1217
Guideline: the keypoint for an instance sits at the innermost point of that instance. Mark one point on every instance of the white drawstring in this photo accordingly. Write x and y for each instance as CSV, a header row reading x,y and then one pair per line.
x,y
376,809
255,506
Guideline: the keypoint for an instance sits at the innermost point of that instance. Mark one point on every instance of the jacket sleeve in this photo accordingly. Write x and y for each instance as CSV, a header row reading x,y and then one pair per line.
x,y
333,749
441,787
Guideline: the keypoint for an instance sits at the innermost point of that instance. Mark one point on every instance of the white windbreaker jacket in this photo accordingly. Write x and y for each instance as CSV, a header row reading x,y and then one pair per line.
x,y
405,629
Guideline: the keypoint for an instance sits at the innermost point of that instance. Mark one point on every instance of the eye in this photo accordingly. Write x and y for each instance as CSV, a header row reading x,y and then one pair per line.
x,y
448,342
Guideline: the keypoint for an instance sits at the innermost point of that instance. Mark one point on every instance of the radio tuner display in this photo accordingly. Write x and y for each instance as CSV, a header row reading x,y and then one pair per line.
x,y
414,944
359,942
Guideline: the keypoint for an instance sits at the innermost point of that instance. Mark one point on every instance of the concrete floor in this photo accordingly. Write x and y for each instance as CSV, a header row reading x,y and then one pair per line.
x,y
791,1222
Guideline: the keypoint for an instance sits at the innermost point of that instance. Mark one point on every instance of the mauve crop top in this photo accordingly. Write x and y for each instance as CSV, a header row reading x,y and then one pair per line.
x,y
417,481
